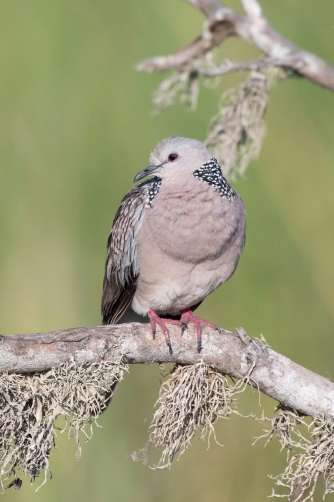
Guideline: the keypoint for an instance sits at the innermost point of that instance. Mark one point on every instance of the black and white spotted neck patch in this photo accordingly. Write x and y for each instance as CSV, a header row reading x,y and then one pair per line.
x,y
153,190
211,173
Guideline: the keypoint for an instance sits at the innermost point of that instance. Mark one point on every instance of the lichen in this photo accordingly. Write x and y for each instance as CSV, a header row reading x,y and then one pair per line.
x,y
30,404
191,401
310,453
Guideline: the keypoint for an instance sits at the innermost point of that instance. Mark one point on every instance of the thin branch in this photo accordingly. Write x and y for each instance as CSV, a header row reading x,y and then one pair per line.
x,y
253,28
234,355
208,7
230,67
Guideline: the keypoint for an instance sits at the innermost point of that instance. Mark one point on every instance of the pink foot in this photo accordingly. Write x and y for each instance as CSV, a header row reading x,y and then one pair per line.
x,y
187,316
156,320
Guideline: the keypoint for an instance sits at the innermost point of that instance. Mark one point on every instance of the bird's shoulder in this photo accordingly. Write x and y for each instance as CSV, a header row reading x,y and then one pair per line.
x,y
131,211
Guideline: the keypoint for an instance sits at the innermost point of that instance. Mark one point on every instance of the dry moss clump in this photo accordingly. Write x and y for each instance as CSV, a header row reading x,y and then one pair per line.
x,y
194,397
182,86
310,456
30,404
283,426
237,131
191,400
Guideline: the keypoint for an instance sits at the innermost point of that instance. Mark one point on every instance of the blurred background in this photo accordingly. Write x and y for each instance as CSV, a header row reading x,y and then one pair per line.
x,y
75,127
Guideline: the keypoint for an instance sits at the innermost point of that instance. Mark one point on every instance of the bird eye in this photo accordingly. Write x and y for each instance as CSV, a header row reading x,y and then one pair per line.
x,y
172,157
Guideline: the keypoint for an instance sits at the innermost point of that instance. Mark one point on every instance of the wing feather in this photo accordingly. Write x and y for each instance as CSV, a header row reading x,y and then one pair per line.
x,y
121,269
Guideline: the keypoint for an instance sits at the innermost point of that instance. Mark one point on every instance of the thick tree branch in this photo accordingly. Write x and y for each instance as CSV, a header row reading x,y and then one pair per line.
x,y
235,355
253,28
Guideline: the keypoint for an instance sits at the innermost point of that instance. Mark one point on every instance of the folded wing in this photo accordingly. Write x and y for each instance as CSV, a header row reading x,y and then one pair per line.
x,y
121,270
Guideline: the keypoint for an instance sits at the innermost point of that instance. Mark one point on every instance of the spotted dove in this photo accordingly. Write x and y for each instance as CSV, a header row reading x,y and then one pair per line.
x,y
175,238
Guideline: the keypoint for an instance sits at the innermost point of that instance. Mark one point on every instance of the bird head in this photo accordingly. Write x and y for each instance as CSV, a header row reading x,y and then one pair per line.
x,y
175,156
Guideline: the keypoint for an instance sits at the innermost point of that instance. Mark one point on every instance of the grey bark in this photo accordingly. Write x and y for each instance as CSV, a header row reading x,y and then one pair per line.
x,y
254,29
233,354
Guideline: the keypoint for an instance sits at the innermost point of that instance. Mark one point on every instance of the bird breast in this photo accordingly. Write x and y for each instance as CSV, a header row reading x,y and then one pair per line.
x,y
193,223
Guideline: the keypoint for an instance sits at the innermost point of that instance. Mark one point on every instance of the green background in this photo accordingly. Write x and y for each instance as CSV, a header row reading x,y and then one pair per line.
x,y
75,127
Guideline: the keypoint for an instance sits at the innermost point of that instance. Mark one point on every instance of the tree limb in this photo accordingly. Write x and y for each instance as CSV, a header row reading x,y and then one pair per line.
x,y
235,355
254,29
230,67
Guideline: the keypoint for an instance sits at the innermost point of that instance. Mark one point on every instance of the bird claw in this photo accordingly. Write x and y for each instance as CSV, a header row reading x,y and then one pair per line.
x,y
156,320
186,317
169,345
184,326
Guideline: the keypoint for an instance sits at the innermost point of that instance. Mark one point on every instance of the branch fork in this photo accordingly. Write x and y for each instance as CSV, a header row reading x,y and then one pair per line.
x,y
221,23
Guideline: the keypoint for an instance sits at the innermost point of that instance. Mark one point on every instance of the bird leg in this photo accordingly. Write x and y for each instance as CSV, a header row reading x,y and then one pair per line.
x,y
156,320
187,316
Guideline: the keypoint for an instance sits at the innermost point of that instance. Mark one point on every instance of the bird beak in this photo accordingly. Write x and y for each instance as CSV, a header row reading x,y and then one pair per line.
x,y
146,172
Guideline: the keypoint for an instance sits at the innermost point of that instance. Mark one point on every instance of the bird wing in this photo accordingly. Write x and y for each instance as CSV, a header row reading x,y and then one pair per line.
x,y
121,272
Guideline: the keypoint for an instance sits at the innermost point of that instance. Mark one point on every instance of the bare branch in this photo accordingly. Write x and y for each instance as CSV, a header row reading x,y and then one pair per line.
x,y
253,11
230,67
253,28
208,7
234,355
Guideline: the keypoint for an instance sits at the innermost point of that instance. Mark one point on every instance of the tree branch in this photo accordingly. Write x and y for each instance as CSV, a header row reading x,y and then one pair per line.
x,y
234,355
230,67
254,29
